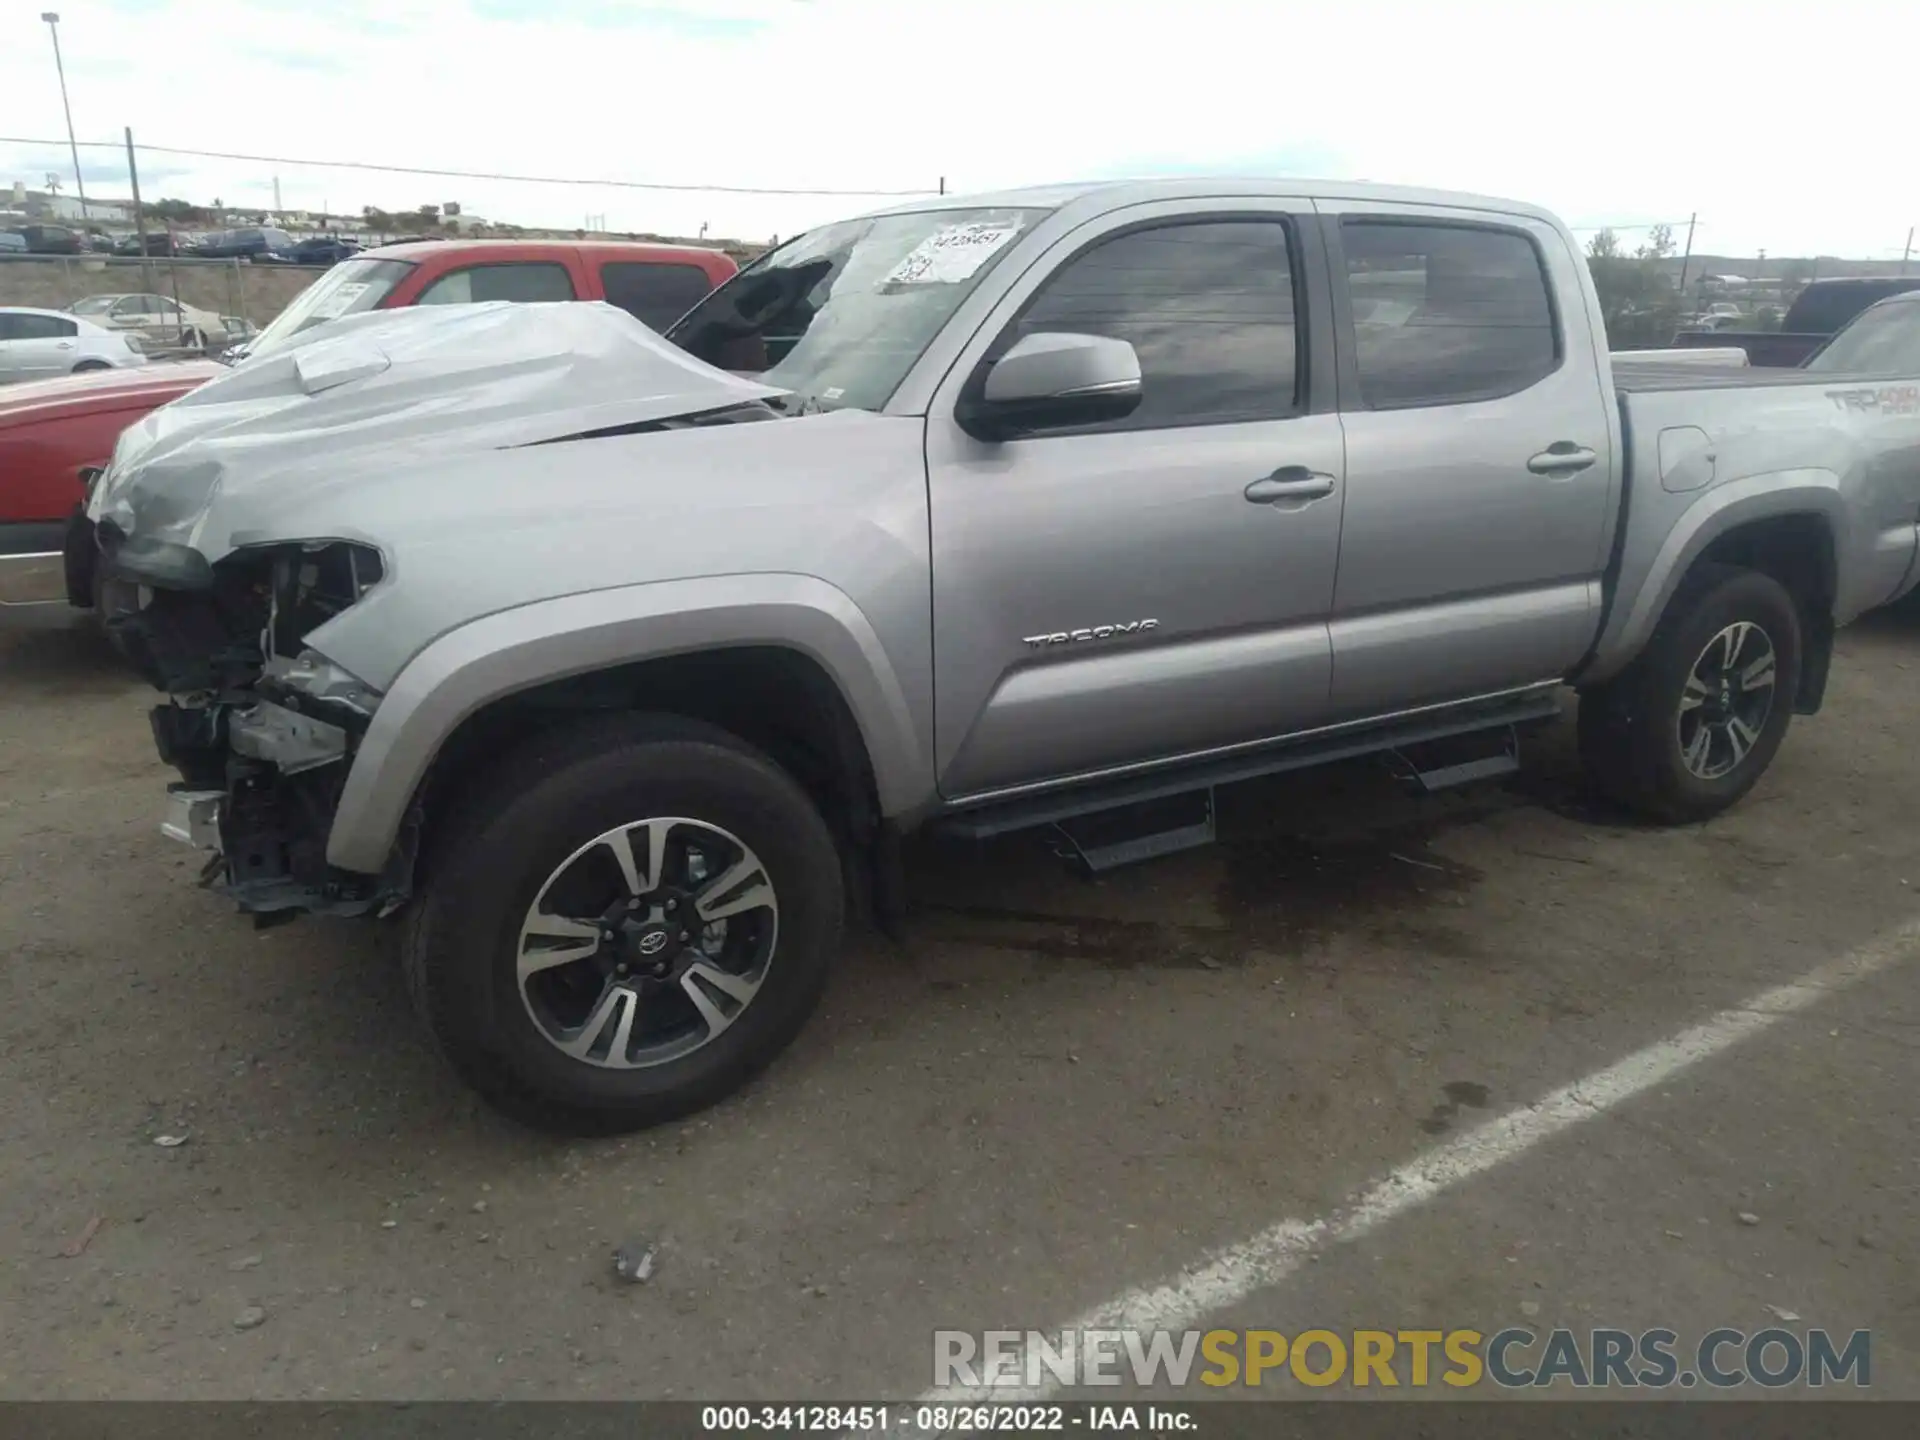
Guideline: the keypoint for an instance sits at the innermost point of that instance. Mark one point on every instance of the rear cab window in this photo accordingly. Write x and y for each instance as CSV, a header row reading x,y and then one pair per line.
x,y
1446,313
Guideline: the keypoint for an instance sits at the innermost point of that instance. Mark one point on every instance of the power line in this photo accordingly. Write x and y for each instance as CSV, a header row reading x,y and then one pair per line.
x,y
466,174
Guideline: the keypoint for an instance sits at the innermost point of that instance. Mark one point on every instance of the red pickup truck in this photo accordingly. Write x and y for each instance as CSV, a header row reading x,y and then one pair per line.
x,y
51,430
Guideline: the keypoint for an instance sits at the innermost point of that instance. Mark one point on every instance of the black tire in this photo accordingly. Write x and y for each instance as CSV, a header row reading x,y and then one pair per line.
x,y
85,366
1630,727
550,797
79,560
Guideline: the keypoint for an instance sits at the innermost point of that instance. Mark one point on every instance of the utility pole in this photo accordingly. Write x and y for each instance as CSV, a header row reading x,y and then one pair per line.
x,y
1904,254
80,183
1686,260
139,221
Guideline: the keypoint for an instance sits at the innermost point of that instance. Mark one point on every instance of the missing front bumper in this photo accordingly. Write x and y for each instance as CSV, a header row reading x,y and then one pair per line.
x,y
260,784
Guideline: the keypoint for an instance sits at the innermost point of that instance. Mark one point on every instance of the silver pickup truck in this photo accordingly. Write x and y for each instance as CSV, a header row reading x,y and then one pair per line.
x,y
621,666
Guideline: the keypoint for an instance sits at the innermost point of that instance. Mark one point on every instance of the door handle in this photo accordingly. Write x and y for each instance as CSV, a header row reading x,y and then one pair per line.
x,y
1563,457
66,344
1290,482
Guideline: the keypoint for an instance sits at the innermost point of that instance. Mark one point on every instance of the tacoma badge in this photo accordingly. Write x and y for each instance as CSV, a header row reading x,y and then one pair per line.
x,y
1097,632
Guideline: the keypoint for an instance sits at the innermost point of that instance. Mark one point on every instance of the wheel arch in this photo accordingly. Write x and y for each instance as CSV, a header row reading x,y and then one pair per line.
x,y
793,661
1787,525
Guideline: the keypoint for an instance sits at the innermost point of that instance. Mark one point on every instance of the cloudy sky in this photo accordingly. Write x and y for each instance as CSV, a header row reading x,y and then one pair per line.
x,y
1784,127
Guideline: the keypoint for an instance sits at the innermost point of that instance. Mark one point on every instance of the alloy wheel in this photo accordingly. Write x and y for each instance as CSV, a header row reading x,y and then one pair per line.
x,y
1727,700
647,943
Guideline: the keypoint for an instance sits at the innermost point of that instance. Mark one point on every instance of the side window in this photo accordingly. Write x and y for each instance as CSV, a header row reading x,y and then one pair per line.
x,y
1207,305
1446,314
655,295
42,327
523,281
8,327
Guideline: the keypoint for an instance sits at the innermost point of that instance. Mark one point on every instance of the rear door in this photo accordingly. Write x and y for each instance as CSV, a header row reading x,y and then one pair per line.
x,y
1123,593
1480,478
33,347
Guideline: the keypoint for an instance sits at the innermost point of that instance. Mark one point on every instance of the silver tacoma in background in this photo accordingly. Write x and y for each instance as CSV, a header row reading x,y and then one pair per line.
x,y
622,672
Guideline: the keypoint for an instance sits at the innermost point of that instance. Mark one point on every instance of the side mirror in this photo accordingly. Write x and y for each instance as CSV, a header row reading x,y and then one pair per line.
x,y
1049,382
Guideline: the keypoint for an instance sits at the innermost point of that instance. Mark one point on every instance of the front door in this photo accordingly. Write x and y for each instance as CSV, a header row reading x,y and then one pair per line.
x,y
1480,475
1155,585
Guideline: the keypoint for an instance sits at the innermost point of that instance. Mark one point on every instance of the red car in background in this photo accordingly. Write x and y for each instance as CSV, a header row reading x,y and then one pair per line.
x,y
52,430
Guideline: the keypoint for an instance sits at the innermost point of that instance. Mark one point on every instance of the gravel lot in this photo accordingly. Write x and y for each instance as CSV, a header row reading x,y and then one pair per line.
x,y
1053,1092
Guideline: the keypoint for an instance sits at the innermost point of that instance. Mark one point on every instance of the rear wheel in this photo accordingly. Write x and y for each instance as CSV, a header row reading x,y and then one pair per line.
x,y
639,915
1694,722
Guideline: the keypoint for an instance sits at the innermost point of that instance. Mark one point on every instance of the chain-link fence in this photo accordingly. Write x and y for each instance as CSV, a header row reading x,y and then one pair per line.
x,y
227,290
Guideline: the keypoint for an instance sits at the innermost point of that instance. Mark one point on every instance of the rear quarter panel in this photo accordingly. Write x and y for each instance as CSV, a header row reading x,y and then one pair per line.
x,y
1703,461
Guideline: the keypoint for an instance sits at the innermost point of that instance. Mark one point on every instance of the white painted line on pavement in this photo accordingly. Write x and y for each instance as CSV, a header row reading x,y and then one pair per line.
x,y
1231,1275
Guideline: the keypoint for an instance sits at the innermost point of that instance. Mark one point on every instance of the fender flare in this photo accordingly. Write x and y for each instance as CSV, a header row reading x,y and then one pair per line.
x,y
1640,600
513,650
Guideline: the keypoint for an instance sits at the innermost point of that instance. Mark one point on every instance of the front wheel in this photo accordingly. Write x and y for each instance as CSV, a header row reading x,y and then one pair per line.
x,y
640,915
1693,723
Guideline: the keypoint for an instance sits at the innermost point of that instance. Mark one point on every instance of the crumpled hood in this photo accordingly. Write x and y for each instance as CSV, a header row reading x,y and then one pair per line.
x,y
361,398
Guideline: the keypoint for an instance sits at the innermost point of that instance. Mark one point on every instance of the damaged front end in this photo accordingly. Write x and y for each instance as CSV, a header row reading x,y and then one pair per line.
x,y
261,727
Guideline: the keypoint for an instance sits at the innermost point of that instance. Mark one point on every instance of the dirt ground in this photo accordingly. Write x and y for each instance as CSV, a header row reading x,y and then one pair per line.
x,y
1053,1092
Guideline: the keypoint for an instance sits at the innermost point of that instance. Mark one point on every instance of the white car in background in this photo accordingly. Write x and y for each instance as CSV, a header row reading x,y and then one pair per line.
x,y
159,320
39,344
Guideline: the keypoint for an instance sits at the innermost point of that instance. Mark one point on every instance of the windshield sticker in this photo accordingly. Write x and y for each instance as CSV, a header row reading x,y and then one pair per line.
x,y
335,305
951,254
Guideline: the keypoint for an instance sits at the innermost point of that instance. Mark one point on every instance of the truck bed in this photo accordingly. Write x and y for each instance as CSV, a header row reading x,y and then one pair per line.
x,y
1644,379
1701,441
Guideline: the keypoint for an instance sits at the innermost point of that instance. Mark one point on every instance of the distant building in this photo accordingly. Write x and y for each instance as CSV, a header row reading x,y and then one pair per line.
x,y
43,205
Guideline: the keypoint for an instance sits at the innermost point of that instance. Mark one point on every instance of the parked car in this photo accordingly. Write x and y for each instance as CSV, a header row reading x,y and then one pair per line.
x,y
252,242
154,242
1057,507
51,240
98,243
38,344
655,283
1883,339
316,250
1819,312
159,320
12,242
50,431
240,330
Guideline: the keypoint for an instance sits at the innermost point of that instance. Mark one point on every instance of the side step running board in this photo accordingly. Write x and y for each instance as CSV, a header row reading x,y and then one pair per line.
x,y
1442,766
1116,822
1128,834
